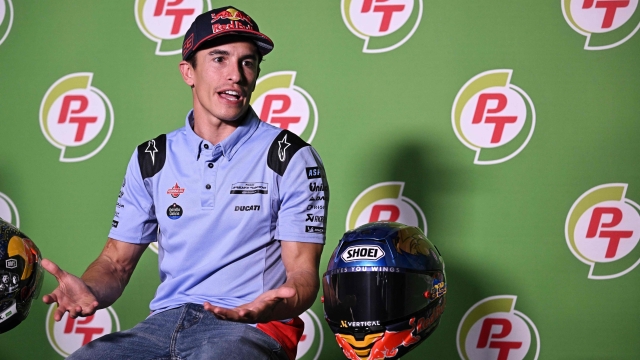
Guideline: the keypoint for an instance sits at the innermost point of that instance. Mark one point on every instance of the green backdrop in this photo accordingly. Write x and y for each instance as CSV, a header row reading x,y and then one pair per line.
x,y
386,114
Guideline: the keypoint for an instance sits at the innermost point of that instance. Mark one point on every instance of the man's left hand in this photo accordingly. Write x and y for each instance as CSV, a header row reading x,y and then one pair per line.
x,y
259,310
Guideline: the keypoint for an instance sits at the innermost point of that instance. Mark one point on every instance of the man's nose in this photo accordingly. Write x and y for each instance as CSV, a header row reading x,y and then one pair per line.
x,y
234,72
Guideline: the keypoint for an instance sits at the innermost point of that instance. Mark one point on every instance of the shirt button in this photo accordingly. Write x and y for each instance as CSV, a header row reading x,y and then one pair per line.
x,y
210,165
206,146
208,186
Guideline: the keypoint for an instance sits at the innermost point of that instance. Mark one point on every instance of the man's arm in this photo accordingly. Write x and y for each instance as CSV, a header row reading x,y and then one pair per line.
x,y
297,294
101,284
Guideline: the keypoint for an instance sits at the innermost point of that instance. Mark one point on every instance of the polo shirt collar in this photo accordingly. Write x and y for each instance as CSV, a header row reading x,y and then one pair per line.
x,y
232,143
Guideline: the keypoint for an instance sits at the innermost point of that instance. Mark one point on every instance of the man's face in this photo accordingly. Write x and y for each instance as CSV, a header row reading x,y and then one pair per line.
x,y
224,78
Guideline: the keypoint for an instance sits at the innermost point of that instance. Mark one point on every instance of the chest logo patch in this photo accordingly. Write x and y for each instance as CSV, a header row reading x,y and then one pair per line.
x,y
250,188
174,212
175,191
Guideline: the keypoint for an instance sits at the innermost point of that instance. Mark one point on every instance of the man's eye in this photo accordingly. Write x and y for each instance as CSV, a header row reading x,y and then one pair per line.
x,y
218,59
248,63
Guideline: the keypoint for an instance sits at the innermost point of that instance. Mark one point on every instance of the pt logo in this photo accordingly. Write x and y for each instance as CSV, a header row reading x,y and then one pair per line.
x,y
166,21
8,211
384,25
281,103
68,335
493,329
605,23
76,117
493,117
310,345
384,202
603,230
6,19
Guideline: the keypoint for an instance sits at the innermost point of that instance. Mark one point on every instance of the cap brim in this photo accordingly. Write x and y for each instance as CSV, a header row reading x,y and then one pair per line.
x,y
264,44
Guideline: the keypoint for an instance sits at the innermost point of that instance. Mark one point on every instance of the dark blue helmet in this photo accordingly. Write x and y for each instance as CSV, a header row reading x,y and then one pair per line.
x,y
20,275
384,290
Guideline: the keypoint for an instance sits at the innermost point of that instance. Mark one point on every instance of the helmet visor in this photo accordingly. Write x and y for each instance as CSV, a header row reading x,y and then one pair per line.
x,y
355,297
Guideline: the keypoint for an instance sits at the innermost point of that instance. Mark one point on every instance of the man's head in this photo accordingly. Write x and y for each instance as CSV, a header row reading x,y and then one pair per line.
x,y
221,55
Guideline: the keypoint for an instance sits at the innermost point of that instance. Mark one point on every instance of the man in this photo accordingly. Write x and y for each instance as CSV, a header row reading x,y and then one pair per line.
x,y
233,204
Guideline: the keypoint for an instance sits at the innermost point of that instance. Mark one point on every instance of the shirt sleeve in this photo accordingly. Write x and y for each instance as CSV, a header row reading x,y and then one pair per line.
x,y
304,199
134,220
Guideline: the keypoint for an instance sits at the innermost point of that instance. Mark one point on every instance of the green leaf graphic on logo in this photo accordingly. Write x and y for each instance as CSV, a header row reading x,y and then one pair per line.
x,y
603,40
60,87
379,44
285,80
599,194
481,309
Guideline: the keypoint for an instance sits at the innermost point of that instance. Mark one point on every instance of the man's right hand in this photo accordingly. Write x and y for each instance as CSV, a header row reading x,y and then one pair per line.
x,y
72,294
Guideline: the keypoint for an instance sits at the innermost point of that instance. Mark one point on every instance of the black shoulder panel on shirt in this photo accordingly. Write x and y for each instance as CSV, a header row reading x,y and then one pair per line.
x,y
151,156
282,149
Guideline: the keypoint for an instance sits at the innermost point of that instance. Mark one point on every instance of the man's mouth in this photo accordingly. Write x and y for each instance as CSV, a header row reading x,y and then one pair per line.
x,y
230,95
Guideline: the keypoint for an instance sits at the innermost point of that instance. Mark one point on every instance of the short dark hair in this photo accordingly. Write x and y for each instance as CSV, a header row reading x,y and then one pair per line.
x,y
192,59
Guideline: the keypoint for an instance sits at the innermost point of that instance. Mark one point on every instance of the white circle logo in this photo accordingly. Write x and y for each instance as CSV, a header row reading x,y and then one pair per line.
x,y
76,117
68,335
279,102
384,25
310,345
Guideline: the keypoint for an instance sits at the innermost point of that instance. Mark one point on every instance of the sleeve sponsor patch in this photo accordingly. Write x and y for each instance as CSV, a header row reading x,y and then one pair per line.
x,y
314,172
152,155
250,188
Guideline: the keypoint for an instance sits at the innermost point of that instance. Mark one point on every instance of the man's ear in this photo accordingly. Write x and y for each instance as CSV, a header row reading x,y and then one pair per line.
x,y
187,73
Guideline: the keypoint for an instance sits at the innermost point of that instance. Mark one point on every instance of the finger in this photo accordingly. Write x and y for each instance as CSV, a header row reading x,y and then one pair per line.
x,y
50,299
285,292
57,316
52,268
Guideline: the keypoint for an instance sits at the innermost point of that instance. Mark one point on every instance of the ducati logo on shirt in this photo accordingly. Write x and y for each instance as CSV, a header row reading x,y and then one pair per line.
x,y
384,25
9,211
605,23
494,329
166,21
76,117
6,19
277,101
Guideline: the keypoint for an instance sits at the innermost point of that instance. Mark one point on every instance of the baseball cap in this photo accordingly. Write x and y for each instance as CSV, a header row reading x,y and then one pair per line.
x,y
222,21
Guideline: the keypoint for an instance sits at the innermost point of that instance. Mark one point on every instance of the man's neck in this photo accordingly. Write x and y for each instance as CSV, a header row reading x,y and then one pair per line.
x,y
213,129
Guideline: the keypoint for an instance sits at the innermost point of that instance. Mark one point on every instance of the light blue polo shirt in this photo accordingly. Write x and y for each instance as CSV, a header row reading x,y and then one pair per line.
x,y
219,211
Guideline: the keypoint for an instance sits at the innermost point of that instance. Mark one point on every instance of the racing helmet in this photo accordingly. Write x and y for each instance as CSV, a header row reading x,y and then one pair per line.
x,y
20,275
384,290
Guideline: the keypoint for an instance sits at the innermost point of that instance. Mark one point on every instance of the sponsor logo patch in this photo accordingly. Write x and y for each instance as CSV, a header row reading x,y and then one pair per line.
x,y
314,218
602,230
250,188
315,207
11,263
384,25
279,102
114,223
493,329
315,187
174,211
362,252
605,23
314,172
345,323
76,117
317,198
175,191
247,208
314,229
